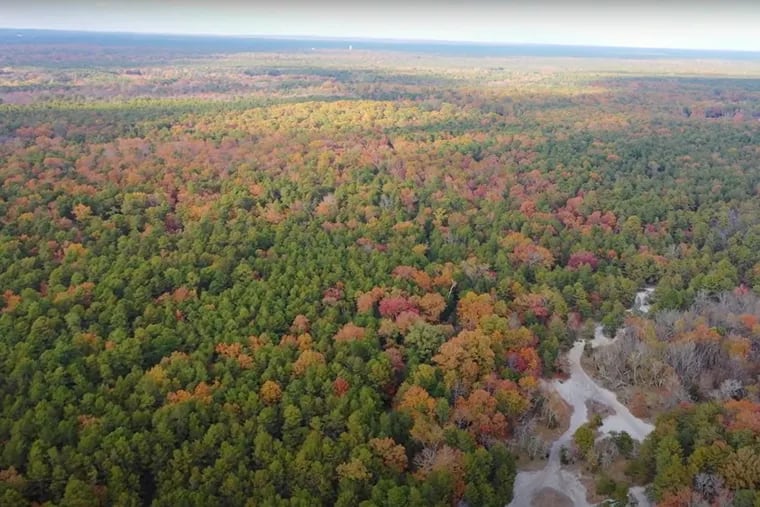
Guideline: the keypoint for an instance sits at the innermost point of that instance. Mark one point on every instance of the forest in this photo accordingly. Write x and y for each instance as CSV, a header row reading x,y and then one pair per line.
x,y
296,277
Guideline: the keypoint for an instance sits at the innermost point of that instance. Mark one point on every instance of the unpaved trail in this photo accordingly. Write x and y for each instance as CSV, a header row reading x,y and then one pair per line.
x,y
576,391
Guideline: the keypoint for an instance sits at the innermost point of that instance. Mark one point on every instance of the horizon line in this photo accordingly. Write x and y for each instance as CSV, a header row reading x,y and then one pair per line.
x,y
349,38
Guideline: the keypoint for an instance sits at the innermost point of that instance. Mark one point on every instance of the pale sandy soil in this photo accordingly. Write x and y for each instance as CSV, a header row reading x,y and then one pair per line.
x,y
577,391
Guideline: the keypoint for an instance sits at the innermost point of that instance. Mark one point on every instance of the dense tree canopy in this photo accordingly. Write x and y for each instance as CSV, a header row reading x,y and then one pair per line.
x,y
289,279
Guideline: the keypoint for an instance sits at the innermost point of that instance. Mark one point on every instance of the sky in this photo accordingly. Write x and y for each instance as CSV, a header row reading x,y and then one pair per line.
x,y
694,24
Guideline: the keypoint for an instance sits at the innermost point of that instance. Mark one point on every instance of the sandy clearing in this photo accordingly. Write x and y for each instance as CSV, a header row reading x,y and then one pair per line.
x,y
576,391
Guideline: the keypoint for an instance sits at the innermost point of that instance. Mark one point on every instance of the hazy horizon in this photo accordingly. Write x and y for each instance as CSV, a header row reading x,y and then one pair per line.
x,y
673,25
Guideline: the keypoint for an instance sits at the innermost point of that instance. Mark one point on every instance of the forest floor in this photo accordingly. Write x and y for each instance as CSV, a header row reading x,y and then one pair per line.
x,y
563,412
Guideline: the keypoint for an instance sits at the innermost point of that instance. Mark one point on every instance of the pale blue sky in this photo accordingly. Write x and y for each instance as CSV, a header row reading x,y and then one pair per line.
x,y
697,24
